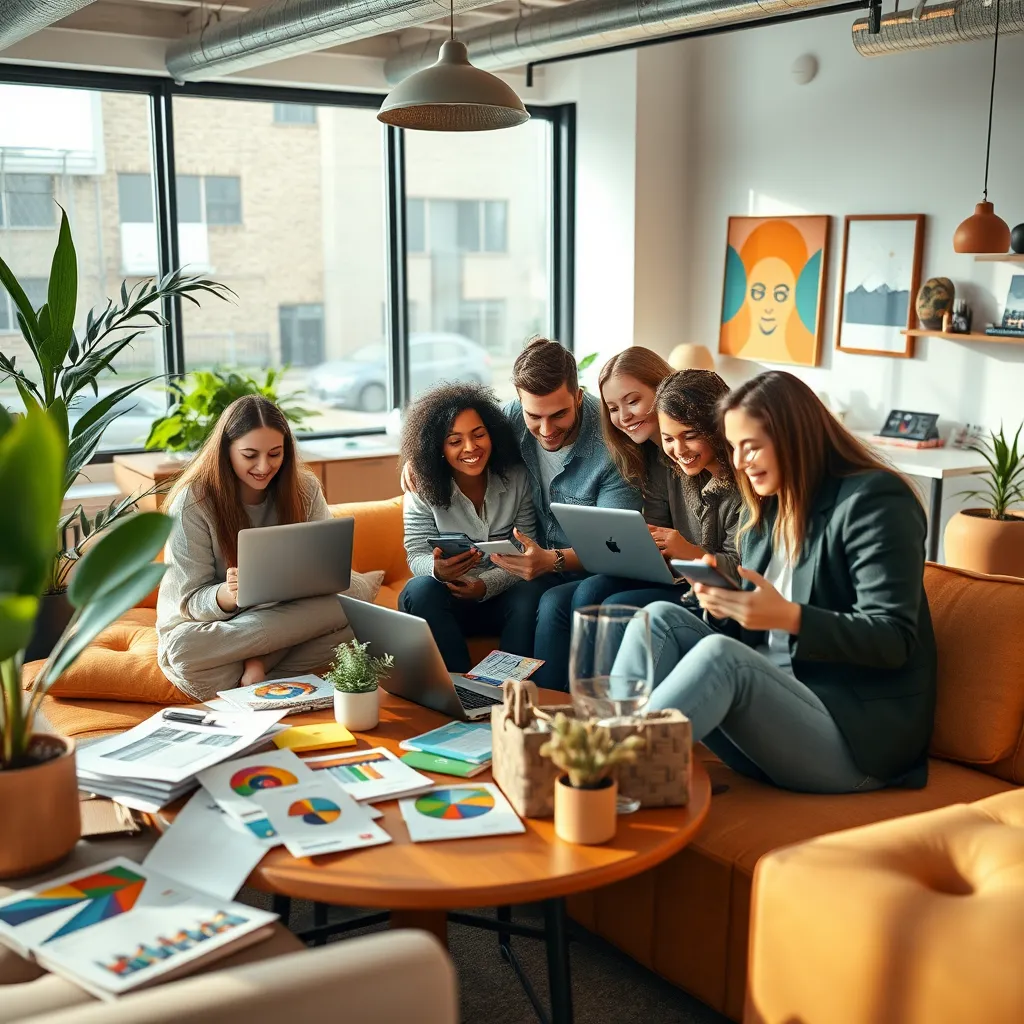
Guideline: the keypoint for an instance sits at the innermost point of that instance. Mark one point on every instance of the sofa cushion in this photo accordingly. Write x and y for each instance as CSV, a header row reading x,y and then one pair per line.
x,y
979,713
120,664
379,533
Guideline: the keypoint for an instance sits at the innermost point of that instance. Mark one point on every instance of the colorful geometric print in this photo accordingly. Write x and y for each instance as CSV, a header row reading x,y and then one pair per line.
x,y
246,781
106,894
283,691
455,804
315,811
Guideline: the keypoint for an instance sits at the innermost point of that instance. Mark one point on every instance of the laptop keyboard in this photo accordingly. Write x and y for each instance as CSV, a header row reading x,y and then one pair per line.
x,y
471,699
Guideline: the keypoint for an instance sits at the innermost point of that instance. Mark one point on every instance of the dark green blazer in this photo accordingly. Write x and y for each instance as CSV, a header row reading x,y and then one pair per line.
x,y
865,646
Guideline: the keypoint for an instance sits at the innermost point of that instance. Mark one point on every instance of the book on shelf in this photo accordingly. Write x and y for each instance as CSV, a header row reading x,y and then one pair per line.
x,y
290,696
906,442
462,741
118,927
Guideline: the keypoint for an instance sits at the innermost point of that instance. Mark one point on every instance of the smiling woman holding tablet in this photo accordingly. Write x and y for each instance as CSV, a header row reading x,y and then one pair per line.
x,y
247,474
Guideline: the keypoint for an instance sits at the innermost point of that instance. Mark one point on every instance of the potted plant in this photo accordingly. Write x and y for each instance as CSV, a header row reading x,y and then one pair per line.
x,y
354,676
991,539
38,784
66,364
203,396
585,794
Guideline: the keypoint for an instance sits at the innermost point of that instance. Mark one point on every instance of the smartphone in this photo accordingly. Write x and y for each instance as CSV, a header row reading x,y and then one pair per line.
x,y
508,546
701,572
451,544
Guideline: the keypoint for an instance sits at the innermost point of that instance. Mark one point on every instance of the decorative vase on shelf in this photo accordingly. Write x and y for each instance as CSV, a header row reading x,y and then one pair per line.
x,y
1017,239
934,299
357,711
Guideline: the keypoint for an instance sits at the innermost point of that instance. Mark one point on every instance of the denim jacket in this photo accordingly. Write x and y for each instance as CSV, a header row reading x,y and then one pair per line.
x,y
589,476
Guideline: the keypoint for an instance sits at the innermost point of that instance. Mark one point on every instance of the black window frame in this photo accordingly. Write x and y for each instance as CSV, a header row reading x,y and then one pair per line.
x,y
162,92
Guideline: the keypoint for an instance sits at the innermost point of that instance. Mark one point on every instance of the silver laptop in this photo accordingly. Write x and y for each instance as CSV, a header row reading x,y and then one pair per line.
x,y
615,541
284,563
419,674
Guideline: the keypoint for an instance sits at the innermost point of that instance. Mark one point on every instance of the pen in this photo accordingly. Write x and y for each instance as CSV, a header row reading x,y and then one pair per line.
x,y
190,717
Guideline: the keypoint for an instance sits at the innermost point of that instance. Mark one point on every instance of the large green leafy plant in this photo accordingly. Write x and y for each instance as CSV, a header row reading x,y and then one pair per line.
x,y
204,395
114,574
66,364
1004,480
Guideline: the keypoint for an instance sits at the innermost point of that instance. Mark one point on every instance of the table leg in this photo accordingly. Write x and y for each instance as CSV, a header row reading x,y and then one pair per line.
x,y
433,921
504,915
934,520
559,978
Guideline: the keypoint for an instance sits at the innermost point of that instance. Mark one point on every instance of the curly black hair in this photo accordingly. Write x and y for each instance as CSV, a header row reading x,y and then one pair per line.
x,y
428,422
691,397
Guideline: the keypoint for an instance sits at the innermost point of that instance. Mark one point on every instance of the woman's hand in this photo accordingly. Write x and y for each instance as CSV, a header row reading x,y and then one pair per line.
x,y
227,592
469,588
672,544
533,562
448,569
762,608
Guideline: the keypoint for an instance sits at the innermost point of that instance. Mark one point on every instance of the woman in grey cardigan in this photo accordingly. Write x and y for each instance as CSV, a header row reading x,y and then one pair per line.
x,y
246,474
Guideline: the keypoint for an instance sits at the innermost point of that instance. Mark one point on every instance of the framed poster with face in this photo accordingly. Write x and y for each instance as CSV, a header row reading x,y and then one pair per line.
x,y
773,298
879,281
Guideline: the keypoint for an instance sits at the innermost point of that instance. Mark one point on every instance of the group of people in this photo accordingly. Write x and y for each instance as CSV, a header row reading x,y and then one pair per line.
x,y
817,675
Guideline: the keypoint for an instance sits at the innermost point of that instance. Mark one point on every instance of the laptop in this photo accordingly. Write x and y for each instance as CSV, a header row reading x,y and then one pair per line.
x,y
614,541
284,563
419,674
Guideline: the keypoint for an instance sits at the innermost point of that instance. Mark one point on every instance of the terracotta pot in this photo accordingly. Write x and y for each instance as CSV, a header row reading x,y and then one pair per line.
x,y
39,809
585,816
357,711
995,546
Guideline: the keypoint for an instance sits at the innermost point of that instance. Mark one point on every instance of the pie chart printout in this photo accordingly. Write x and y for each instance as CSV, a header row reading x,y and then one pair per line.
x,y
261,776
315,811
284,691
455,804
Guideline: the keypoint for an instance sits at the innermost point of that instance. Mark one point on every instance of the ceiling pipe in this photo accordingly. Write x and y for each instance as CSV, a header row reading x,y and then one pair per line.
x,y
593,25
21,18
288,28
956,21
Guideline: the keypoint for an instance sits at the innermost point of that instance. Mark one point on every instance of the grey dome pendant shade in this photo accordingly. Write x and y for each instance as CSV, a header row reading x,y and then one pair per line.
x,y
453,96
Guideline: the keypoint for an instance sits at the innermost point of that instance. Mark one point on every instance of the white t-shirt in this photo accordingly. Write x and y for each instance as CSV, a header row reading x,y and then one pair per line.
x,y
780,575
551,464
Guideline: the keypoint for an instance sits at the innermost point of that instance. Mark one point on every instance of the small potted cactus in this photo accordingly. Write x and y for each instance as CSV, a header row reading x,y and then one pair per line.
x,y
585,795
354,674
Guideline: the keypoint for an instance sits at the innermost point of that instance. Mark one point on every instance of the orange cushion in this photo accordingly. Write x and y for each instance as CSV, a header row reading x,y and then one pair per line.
x,y
120,664
979,715
379,532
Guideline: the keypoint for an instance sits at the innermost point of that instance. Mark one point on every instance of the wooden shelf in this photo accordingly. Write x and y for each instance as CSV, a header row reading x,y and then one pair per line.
x,y
998,339
999,257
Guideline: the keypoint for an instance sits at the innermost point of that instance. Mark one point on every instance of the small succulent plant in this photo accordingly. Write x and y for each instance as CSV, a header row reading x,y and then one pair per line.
x,y
586,752
354,671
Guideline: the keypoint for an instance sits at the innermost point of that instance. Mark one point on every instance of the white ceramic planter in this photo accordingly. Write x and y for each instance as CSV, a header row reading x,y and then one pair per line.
x,y
357,711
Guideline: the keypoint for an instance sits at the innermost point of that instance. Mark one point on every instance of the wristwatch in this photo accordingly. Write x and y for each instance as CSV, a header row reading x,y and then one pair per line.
x,y
559,565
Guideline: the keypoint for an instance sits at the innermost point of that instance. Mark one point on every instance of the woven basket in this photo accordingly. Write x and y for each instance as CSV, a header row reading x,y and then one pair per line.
x,y
659,778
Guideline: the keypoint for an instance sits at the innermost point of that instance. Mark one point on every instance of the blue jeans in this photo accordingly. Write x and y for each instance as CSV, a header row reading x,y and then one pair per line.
x,y
757,718
513,614
554,620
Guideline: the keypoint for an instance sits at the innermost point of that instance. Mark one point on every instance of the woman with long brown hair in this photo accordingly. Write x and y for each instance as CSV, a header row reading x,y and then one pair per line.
x,y
827,681
660,427
248,473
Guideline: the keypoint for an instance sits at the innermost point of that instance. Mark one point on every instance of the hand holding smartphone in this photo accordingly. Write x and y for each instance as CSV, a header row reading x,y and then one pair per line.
x,y
701,572
451,545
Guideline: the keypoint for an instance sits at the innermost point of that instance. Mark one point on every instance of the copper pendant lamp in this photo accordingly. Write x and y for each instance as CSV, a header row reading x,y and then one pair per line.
x,y
453,96
983,231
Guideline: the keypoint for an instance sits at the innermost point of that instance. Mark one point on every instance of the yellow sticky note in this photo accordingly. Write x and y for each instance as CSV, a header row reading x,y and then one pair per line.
x,y
314,737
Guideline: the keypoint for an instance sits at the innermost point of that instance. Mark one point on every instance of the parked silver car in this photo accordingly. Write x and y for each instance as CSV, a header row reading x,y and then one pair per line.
x,y
360,381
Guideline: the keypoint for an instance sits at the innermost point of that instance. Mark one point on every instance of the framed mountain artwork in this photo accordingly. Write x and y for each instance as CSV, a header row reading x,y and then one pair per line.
x,y
773,297
880,277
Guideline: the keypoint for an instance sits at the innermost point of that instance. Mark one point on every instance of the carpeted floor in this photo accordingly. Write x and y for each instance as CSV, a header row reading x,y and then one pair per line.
x,y
607,987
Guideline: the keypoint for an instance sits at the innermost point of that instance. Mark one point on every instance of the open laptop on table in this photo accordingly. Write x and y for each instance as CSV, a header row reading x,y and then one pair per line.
x,y
615,541
419,674
285,563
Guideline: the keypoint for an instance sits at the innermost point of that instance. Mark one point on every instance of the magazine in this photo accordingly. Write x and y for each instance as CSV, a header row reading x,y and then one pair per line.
x,y
291,695
500,665
117,927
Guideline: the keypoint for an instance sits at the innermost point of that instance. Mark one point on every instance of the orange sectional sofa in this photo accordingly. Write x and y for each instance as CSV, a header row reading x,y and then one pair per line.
x,y
688,919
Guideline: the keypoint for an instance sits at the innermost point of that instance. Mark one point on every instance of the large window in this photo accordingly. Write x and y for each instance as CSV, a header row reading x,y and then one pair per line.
x,y
479,251
90,153
290,199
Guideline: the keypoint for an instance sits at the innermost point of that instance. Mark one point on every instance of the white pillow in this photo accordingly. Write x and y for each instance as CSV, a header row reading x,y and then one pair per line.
x,y
365,585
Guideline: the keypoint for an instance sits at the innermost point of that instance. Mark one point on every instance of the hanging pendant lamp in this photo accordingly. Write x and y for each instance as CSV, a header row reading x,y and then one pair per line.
x,y
983,231
453,96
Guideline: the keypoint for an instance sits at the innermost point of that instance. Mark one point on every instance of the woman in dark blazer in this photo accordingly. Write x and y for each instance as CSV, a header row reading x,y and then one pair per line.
x,y
827,683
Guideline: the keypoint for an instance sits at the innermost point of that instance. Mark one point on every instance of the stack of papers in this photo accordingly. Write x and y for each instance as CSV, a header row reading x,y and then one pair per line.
x,y
158,761
291,695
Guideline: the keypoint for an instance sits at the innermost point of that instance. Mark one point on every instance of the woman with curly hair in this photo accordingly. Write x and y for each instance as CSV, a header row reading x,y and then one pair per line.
x,y
470,479
661,428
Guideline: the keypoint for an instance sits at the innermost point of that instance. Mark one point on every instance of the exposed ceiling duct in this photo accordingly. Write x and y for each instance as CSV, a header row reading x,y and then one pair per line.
x,y
287,28
20,18
957,21
592,24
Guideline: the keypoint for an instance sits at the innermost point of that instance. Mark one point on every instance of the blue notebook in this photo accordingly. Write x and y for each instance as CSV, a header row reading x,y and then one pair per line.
x,y
461,741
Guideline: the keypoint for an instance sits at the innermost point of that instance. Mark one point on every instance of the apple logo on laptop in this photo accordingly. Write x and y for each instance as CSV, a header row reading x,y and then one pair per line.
x,y
612,546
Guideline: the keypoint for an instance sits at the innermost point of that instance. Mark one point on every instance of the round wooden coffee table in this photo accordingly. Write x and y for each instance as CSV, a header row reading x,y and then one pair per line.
x,y
420,884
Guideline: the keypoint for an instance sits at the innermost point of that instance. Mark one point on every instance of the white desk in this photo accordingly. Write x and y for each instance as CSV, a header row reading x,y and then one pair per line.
x,y
934,464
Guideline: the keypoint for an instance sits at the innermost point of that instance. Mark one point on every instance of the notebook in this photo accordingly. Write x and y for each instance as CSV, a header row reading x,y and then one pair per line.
x,y
321,736
291,695
464,741
443,765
